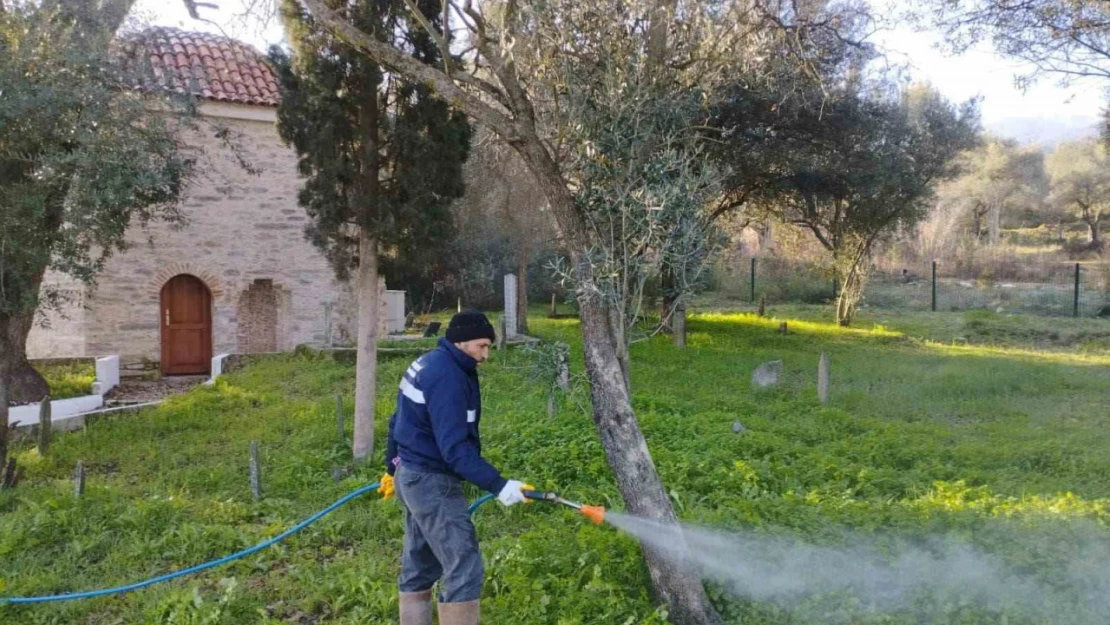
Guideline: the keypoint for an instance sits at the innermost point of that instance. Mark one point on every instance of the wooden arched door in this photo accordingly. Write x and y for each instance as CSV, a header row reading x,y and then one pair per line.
x,y
186,326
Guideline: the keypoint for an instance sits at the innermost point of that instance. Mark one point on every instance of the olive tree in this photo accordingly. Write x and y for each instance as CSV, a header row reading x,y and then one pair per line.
x,y
83,157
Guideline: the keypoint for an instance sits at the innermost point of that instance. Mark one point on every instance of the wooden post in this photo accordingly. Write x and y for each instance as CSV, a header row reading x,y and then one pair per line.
x,y
45,426
340,421
256,472
934,286
554,313
823,379
1075,301
460,305
753,281
783,328
79,479
762,305
501,331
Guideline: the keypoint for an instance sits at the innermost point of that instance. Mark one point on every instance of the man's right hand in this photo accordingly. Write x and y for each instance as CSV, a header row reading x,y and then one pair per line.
x,y
512,493
386,487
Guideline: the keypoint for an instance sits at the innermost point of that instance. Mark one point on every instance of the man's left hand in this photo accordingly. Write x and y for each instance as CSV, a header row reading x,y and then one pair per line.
x,y
513,493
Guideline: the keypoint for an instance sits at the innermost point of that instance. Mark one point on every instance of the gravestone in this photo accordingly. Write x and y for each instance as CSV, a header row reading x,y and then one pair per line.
x,y
79,479
767,374
432,329
563,378
510,305
783,329
823,379
255,472
762,305
738,428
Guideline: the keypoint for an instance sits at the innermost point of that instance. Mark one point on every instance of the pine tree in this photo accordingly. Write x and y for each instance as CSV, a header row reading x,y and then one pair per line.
x,y
382,157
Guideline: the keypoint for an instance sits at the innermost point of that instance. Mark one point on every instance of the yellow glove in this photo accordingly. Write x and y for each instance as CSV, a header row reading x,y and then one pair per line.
x,y
386,487
527,487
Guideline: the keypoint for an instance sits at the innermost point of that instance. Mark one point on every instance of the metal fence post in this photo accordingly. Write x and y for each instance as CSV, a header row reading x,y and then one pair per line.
x,y
934,286
753,281
1075,301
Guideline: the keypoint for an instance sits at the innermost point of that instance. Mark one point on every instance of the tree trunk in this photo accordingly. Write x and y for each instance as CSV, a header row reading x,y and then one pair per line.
x,y
366,362
767,239
522,290
667,312
667,308
994,223
851,291
7,356
620,345
1095,229
25,383
676,583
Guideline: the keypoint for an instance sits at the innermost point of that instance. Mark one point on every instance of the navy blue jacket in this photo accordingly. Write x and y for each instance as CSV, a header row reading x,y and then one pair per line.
x,y
435,427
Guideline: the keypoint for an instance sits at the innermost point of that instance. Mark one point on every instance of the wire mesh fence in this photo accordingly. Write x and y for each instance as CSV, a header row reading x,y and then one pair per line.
x,y
1062,289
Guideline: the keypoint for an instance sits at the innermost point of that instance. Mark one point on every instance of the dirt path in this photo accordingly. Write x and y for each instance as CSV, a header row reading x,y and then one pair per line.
x,y
141,391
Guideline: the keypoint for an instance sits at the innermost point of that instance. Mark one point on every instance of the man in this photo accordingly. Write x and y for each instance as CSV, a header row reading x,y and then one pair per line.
x,y
433,445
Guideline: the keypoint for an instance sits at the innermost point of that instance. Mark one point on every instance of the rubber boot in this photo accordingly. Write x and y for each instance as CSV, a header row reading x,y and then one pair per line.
x,y
461,613
416,608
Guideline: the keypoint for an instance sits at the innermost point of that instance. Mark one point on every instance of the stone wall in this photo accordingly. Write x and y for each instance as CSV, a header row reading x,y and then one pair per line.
x,y
60,332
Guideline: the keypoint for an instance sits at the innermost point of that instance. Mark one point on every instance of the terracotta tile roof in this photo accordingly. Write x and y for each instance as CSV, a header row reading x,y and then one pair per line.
x,y
212,67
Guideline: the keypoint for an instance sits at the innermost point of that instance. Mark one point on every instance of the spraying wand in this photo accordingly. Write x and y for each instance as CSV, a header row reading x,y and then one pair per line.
x,y
593,513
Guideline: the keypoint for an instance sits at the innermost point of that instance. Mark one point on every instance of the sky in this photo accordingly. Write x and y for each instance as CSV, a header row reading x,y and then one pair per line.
x,y
1045,113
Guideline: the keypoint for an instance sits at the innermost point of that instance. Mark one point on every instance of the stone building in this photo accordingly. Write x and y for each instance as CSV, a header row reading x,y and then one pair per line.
x,y
240,276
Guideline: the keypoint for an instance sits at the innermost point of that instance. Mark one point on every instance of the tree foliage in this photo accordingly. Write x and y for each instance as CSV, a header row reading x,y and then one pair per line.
x,y
570,86
329,90
1080,175
83,157
381,155
854,166
1001,182
1066,38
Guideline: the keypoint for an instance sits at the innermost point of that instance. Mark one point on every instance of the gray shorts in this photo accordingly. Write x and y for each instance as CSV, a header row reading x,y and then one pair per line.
x,y
440,542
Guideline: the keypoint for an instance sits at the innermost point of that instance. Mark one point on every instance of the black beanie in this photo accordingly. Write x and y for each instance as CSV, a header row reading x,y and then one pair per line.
x,y
469,325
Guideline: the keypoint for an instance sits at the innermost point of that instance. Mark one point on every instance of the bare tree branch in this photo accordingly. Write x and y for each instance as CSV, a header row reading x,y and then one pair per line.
x,y
439,38
410,67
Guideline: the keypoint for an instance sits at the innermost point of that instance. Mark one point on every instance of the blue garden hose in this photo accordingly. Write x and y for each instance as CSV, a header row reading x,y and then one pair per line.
x,y
477,502
214,563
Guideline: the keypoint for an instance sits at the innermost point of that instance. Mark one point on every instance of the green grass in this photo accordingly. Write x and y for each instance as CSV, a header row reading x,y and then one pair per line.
x,y
972,327
71,379
997,441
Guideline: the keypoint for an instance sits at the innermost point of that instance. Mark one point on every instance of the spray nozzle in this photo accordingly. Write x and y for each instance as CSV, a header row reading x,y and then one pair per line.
x,y
593,513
